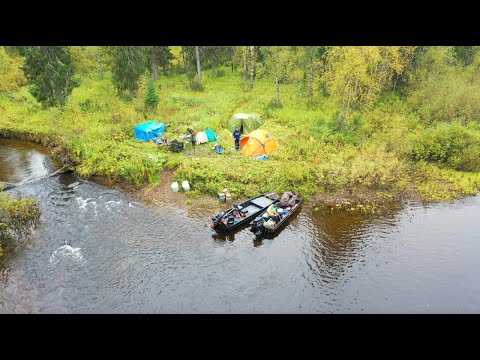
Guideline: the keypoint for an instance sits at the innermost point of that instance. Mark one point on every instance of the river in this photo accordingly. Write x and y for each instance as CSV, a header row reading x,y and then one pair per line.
x,y
99,250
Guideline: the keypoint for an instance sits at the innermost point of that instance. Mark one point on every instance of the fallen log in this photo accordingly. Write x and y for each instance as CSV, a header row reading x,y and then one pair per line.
x,y
7,185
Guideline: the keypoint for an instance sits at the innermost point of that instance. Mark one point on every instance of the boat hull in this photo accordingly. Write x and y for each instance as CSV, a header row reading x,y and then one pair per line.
x,y
257,225
242,213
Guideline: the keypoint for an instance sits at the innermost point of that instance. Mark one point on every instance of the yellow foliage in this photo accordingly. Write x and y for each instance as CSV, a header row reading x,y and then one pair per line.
x,y
85,58
11,74
356,75
177,60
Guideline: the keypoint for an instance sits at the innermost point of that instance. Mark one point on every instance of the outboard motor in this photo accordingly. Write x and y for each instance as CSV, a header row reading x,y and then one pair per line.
x,y
257,227
217,218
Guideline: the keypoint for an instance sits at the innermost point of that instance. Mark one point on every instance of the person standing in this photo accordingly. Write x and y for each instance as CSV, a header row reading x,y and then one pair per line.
x,y
193,135
236,136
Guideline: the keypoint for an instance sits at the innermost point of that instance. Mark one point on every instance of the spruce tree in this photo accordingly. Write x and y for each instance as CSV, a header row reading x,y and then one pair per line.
x,y
128,66
151,99
49,71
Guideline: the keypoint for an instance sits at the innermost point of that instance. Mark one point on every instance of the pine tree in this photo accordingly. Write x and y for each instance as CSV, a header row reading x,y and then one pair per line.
x,y
49,71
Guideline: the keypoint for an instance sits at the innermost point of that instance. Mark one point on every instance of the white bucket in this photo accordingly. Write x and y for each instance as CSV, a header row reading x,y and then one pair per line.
x,y
174,186
221,197
186,185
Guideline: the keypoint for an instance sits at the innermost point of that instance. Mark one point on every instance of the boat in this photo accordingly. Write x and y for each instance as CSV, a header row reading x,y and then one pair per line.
x,y
262,226
242,213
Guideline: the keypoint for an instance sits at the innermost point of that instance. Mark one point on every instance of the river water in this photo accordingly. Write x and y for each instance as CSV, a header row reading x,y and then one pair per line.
x,y
99,250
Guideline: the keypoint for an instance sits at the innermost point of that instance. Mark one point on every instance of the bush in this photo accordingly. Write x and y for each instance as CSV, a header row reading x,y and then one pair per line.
x,y
11,75
219,73
16,216
195,85
274,104
452,145
375,168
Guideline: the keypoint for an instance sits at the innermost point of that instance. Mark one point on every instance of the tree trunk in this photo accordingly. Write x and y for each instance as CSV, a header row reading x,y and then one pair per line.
x,y
154,63
244,66
199,71
213,63
472,78
132,95
310,90
164,68
59,95
252,65
343,116
233,59
279,100
395,82
100,67
184,60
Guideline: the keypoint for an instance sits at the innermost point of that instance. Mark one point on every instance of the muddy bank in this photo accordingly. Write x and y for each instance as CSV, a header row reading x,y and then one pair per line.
x,y
364,202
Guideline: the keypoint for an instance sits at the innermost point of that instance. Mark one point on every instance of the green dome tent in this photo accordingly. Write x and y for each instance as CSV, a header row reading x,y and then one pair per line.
x,y
245,122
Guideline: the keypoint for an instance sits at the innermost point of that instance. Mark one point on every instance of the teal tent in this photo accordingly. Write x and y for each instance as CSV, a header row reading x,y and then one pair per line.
x,y
210,135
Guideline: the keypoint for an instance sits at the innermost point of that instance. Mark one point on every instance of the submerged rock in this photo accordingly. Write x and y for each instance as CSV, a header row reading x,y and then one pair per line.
x,y
71,186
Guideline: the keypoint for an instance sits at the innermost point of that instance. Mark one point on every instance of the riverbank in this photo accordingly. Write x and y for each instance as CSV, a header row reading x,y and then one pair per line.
x,y
94,133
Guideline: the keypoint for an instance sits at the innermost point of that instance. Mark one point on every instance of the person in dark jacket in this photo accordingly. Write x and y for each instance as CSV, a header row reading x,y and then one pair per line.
x,y
193,134
236,136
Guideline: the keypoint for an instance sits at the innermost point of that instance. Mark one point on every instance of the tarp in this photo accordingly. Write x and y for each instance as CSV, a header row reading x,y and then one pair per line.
x,y
258,142
210,135
149,130
201,137
245,122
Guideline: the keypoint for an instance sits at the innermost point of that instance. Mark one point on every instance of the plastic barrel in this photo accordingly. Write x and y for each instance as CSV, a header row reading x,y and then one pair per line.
x,y
221,197
174,186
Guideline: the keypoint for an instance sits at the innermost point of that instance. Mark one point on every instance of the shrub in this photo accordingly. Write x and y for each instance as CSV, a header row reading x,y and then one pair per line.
x,y
16,216
195,85
274,104
219,73
451,145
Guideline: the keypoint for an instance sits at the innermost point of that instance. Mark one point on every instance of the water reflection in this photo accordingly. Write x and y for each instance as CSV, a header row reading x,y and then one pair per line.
x,y
21,161
338,239
219,236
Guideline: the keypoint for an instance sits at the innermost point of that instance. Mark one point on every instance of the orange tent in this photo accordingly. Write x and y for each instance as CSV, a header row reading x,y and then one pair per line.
x,y
258,142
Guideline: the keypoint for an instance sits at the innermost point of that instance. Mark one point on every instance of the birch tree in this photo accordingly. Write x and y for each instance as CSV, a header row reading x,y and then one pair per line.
x,y
356,75
199,70
244,66
252,65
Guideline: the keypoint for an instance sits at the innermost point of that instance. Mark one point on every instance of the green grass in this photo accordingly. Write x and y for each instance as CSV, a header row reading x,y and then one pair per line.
x,y
96,127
